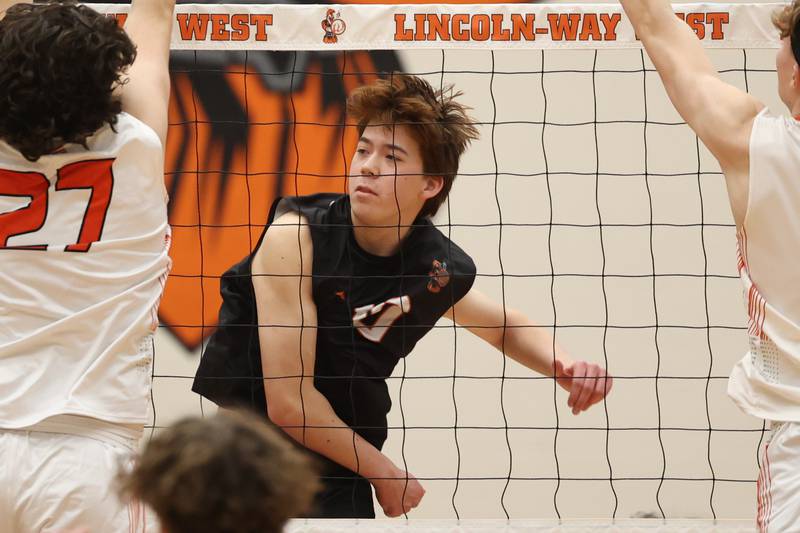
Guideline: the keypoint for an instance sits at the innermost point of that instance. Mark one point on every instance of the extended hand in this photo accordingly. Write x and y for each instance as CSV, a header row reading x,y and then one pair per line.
x,y
398,492
587,384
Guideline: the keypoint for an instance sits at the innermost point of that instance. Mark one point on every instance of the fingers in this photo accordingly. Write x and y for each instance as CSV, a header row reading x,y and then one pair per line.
x,y
392,512
590,385
413,495
401,496
586,387
578,380
601,388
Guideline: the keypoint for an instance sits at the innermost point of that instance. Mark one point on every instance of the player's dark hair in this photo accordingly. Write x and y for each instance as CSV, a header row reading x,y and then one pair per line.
x,y
59,66
438,122
231,473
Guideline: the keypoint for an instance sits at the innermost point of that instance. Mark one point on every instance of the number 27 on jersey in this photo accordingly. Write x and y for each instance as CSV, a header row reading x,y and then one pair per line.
x,y
95,175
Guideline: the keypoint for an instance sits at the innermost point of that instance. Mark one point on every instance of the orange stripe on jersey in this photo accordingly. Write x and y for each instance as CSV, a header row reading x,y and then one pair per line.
x,y
760,496
756,309
768,489
756,304
741,249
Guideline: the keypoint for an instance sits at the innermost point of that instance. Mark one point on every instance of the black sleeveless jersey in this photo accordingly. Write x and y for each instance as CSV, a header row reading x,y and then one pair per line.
x,y
371,311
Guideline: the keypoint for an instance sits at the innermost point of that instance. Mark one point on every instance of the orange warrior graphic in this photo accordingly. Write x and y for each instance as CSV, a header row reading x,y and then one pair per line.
x,y
333,26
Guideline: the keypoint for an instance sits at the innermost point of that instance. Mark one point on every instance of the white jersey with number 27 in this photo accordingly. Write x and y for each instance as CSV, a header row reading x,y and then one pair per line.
x,y
84,245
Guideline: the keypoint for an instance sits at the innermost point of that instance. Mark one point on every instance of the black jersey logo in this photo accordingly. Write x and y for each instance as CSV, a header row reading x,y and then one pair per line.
x,y
373,321
439,276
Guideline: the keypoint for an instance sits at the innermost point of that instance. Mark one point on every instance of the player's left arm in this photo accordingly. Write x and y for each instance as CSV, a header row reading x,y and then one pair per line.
x,y
519,338
719,113
146,93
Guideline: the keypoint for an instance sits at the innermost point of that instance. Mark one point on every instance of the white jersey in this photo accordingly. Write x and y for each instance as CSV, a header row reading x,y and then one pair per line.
x,y
83,262
766,382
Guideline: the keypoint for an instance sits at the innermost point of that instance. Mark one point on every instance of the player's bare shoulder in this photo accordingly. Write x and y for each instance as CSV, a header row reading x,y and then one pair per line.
x,y
287,247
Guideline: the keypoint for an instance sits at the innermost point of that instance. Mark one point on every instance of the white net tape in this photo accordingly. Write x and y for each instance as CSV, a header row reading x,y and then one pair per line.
x,y
437,26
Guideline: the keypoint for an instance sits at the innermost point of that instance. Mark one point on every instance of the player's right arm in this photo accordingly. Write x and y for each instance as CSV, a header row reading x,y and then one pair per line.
x,y
719,113
146,94
288,356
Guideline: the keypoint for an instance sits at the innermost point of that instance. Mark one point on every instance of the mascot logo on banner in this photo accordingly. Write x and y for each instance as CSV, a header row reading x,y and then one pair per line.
x,y
333,26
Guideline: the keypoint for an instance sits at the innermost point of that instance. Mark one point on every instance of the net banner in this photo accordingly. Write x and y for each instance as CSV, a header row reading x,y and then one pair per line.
x,y
437,26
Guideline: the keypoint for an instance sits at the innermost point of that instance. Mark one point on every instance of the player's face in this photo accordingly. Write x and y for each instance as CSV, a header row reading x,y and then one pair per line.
x,y
788,74
386,173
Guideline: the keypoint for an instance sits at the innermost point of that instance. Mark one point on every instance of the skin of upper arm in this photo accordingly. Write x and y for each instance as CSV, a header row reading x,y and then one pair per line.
x,y
145,95
721,115
725,127
284,303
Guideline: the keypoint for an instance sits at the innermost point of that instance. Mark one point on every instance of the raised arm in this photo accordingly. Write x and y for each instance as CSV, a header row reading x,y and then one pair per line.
x,y
288,352
720,114
522,340
146,95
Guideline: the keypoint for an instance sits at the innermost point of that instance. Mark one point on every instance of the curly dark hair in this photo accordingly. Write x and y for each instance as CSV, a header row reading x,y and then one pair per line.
x,y
59,66
439,123
230,473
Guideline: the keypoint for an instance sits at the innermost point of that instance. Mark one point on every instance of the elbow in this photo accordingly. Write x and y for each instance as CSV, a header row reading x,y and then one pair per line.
x,y
284,411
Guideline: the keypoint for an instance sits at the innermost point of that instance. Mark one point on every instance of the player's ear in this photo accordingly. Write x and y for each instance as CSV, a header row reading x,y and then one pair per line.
x,y
433,185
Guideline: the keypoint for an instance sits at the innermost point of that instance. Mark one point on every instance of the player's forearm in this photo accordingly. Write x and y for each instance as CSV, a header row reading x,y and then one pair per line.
x,y
149,25
682,64
672,46
649,17
160,11
313,423
531,345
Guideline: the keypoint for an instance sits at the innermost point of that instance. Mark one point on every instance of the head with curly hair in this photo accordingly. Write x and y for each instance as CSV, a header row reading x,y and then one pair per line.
x,y
59,66
230,473
787,21
408,130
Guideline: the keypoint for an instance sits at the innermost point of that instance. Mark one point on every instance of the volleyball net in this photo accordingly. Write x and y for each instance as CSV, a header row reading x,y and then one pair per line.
x,y
587,203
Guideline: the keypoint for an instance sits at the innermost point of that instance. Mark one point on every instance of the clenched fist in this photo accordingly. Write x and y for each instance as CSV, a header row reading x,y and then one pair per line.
x,y
398,492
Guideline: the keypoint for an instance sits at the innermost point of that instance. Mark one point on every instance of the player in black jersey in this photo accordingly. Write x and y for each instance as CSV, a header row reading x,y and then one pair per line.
x,y
313,351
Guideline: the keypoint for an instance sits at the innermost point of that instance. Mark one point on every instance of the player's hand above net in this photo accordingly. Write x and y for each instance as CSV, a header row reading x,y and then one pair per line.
x,y
586,383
